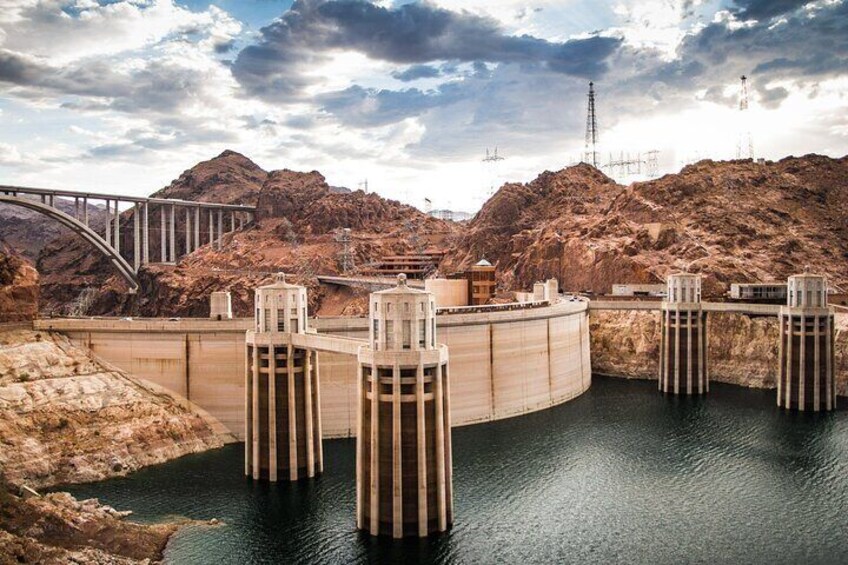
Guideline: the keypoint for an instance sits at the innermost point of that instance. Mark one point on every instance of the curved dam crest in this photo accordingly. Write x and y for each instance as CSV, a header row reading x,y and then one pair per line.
x,y
504,363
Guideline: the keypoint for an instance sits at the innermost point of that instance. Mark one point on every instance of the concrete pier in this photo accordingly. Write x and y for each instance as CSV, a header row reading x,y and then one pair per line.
x,y
282,394
805,381
403,440
683,338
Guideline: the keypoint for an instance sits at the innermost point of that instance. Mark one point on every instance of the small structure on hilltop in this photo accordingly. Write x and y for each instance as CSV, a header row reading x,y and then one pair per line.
x,y
683,338
283,418
403,439
415,266
805,380
221,305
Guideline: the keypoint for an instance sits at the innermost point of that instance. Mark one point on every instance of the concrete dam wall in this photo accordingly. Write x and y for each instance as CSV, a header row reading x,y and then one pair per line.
x,y
503,363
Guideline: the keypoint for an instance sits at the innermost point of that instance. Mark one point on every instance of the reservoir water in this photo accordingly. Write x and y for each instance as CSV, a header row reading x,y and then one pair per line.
x,y
621,474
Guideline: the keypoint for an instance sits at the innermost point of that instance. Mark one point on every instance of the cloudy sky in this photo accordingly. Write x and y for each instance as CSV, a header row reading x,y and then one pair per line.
x,y
124,95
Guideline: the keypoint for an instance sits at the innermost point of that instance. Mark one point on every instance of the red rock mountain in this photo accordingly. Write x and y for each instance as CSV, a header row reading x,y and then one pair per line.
x,y
733,221
297,217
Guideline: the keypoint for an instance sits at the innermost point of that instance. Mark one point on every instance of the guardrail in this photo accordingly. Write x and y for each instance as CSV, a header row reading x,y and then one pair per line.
x,y
510,306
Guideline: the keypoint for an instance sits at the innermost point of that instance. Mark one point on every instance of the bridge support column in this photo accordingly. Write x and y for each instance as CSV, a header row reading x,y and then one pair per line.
x,y
108,231
220,229
188,231
211,227
85,211
683,338
136,237
146,235
117,242
283,421
173,234
403,418
805,378
163,234
197,228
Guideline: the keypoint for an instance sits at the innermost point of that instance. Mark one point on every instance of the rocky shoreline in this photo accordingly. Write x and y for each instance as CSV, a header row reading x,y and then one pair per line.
x,y
68,417
742,350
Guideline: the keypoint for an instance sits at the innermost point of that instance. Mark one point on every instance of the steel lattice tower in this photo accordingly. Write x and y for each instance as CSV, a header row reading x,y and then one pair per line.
x,y
745,142
591,154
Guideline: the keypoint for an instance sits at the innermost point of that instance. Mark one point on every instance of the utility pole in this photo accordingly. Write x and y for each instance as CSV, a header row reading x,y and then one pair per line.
x,y
745,142
590,154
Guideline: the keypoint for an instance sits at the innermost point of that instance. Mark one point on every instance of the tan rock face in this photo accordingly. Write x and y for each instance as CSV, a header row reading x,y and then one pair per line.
x,y
19,290
742,350
66,418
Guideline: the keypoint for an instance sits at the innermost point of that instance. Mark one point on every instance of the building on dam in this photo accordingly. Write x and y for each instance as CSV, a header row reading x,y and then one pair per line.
x,y
805,380
683,337
403,438
282,394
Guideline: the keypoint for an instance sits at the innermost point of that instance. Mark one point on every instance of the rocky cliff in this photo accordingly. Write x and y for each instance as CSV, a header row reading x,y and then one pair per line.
x,y
19,289
66,417
734,221
742,350
298,218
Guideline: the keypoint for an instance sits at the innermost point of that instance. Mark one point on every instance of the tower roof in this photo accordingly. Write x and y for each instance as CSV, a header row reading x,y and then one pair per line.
x,y
482,263
401,288
279,283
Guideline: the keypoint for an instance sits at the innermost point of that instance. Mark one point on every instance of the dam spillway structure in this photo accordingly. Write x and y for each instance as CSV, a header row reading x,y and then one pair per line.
x,y
683,337
282,395
806,353
403,440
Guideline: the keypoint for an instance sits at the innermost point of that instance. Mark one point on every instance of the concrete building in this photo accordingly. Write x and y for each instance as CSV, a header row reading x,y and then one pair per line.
x,y
481,282
805,381
282,395
220,306
403,440
683,338
638,289
448,292
758,292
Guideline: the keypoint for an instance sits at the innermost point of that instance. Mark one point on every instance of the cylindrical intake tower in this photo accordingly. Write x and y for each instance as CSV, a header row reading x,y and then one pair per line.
x,y
683,341
805,380
403,440
282,398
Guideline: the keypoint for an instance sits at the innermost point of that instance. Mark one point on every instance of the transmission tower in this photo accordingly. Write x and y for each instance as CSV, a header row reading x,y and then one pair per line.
x,y
490,161
745,142
346,254
590,154
363,186
652,164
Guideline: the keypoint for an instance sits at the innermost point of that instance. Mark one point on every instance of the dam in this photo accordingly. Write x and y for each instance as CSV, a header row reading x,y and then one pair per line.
x,y
506,360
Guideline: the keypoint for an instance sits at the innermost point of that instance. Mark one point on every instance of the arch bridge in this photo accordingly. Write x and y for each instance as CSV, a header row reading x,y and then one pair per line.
x,y
105,235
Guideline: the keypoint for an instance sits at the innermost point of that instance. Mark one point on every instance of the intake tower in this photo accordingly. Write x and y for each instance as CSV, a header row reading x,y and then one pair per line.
x,y
805,380
683,341
282,416
403,439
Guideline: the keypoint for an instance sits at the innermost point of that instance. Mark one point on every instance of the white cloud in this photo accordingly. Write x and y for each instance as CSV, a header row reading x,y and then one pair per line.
x,y
45,30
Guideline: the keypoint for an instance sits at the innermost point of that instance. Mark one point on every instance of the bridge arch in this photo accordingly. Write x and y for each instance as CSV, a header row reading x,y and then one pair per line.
x,y
79,228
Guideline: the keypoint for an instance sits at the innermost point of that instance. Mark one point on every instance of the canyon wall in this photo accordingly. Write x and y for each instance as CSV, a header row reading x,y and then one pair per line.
x,y
19,289
743,350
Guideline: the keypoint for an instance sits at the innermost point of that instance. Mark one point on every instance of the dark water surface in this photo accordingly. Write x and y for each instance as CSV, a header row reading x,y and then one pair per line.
x,y
621,474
